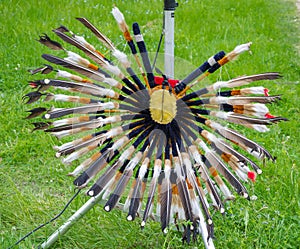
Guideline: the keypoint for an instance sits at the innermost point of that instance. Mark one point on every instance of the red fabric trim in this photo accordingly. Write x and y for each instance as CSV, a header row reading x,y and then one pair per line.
x,y
252,176
266,91
269,115
159,80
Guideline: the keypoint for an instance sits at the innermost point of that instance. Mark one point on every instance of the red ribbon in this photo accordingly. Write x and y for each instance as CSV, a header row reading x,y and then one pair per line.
x,y
159,80
252,176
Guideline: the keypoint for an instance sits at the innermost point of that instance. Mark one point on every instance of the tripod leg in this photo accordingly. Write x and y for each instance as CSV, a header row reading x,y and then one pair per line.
x,y
75,217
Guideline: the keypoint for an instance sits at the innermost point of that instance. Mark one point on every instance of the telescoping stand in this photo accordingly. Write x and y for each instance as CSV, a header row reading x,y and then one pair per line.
x,y
169,21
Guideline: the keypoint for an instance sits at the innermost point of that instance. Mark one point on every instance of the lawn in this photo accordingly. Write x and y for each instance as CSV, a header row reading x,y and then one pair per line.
x,y
34,186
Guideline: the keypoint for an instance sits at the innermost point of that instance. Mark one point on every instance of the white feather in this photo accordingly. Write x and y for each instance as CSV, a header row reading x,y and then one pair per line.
x,y
222,115
76,58
255,153
122,57
242,48
111,81
81,40
61,134
220,84
113,132
157,168
126,154
118,15
143,168
119,143
254,90
75,155
63,147
114,70
63,74
62,97
260,128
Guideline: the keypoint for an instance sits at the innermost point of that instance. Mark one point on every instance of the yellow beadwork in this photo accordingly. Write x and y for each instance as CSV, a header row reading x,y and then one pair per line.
x,y
163,106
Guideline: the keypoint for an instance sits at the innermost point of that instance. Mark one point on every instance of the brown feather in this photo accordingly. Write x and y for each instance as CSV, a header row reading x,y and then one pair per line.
x,y
94,56
92,74
98,34
45,40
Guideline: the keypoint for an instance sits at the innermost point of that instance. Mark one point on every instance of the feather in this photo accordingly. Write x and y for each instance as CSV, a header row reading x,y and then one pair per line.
x,y
43,70
85,164
165,195
237,82
91,89
225,59
244,80
98,34
41,125
151,193
93,124
214,160
212,61
138,191
68,148
182,190
217,202
122,57
226,148
94,56
79,153
45,40
99,59
119,17
69,98
110,153
200,193
243,92
67,75
103,180
32,97
126,175
240,140
36,112
134,199
115,196
91,108
247,121
77,68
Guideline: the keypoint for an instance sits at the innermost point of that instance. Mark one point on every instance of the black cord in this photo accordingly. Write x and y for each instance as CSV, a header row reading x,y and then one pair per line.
x,y
42,225
158,47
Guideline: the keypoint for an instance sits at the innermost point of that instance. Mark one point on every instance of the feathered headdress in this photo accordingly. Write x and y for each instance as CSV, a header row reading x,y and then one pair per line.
x,y
169,149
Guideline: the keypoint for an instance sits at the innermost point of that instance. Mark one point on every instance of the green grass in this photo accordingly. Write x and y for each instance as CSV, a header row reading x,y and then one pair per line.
x,y
34,186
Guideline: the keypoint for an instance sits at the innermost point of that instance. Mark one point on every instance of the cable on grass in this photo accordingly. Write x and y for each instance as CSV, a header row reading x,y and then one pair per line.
x,y
46,223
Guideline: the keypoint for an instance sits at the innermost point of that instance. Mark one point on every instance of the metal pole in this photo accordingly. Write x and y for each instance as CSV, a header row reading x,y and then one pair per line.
x,y
80,213
75,217
169,21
